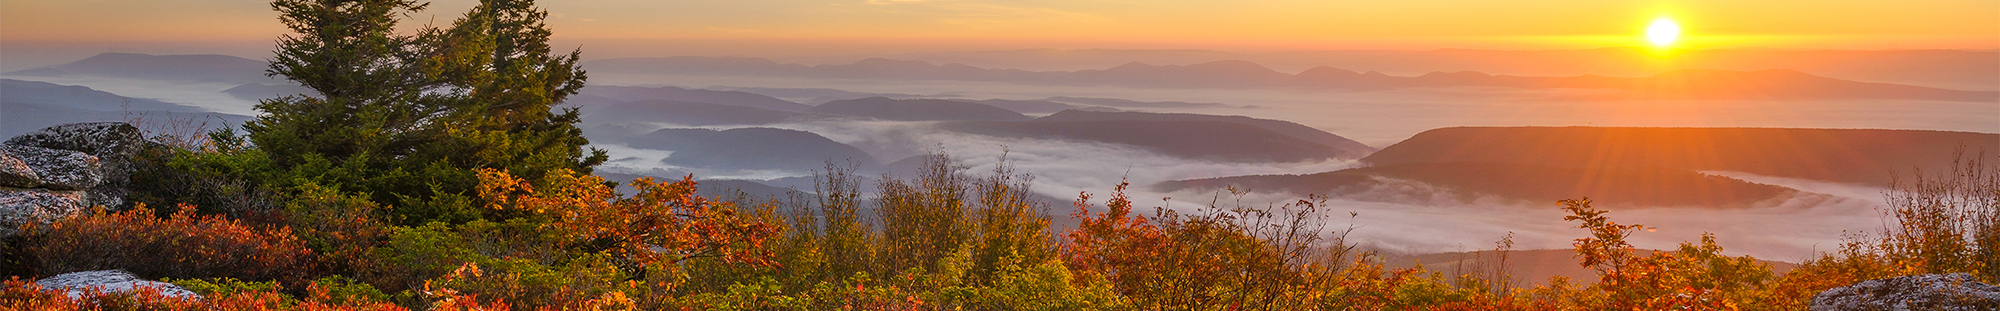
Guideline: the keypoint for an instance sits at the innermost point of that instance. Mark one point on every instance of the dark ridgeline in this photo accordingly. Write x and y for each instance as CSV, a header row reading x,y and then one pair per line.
x,y
751,149
199,68
917,110
1623,167
30,105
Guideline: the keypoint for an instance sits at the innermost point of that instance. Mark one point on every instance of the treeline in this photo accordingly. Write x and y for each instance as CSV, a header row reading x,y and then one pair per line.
x,y
436,171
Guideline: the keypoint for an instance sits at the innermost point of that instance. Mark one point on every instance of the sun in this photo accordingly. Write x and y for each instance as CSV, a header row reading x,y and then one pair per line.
x,y
1663,32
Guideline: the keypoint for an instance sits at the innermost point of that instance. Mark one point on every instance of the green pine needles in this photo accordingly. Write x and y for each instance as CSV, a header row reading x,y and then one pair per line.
x,y
406,119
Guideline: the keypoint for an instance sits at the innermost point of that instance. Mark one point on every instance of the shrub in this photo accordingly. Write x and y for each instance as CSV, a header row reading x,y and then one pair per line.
x,y
1694,277
1948,222
19,294
1275,258
343,229
217,176
222,286
663,223
181,245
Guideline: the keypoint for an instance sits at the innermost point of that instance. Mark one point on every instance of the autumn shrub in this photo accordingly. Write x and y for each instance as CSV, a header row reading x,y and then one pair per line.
x,y
1693,277
342,229
1949,222
20,294
222,286
662,223
521,286
927,218
181,245
1274,258
1010,230
517,262
586,234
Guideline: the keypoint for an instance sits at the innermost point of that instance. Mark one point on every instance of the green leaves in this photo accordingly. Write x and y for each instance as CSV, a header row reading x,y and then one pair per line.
x,y
408,118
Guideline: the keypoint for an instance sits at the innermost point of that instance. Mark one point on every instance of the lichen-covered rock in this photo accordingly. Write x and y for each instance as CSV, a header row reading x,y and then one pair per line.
x,y
14,173
59,169
109,281
100,139
113,143
21,206
1945,292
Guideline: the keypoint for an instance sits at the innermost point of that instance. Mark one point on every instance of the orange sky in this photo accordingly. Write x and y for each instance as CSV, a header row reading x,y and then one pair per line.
x,y
1202,24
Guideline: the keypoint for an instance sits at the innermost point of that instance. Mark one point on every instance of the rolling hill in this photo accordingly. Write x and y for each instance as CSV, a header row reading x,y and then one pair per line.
x,y
29,105
1515,183
750,149
917,110
1867,157
733,98
1622,167
1205,140
1353,149
686,113
200,68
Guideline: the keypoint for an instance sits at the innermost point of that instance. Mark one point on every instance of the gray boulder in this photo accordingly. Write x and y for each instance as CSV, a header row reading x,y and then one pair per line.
x,y
21,206
110,281
102,139
113,143
1945,292
15,173
59,169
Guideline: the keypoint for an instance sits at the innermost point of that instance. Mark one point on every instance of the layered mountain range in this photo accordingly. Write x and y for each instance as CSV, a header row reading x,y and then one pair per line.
x,y
1772,84
1629,166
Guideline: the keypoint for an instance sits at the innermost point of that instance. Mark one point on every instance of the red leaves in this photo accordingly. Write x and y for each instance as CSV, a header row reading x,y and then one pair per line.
x,y
1115,242
663,222
182,245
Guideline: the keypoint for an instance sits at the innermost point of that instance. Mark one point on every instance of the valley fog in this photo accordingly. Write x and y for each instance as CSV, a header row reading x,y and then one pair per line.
x,y
1406,217
1381,118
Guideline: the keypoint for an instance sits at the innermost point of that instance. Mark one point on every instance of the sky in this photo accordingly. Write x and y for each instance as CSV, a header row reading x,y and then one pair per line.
x,y
1202,24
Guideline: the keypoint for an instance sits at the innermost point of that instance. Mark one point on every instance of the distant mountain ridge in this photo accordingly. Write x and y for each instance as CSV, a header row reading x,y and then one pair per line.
x,y
734,98
1515,183
753,148
1351,148
30,105
1624,166
1681,84
917,110
1205,140
198,67
687,113
1862,156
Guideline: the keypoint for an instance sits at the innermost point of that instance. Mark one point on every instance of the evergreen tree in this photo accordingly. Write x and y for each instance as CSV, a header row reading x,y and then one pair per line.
x,y
407,119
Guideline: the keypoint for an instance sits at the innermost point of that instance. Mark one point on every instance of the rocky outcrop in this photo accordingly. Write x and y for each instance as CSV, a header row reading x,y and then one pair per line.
x,y
16,173
58,169
109,281
1946,292
21,206
113,143
64,169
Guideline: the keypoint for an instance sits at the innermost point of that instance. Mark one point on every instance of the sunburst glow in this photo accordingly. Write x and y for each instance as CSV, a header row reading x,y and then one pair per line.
x,y
1663,32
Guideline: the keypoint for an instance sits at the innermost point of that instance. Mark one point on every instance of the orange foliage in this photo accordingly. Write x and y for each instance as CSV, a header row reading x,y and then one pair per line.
x,y
17,294
182,245
664,222
1114,243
